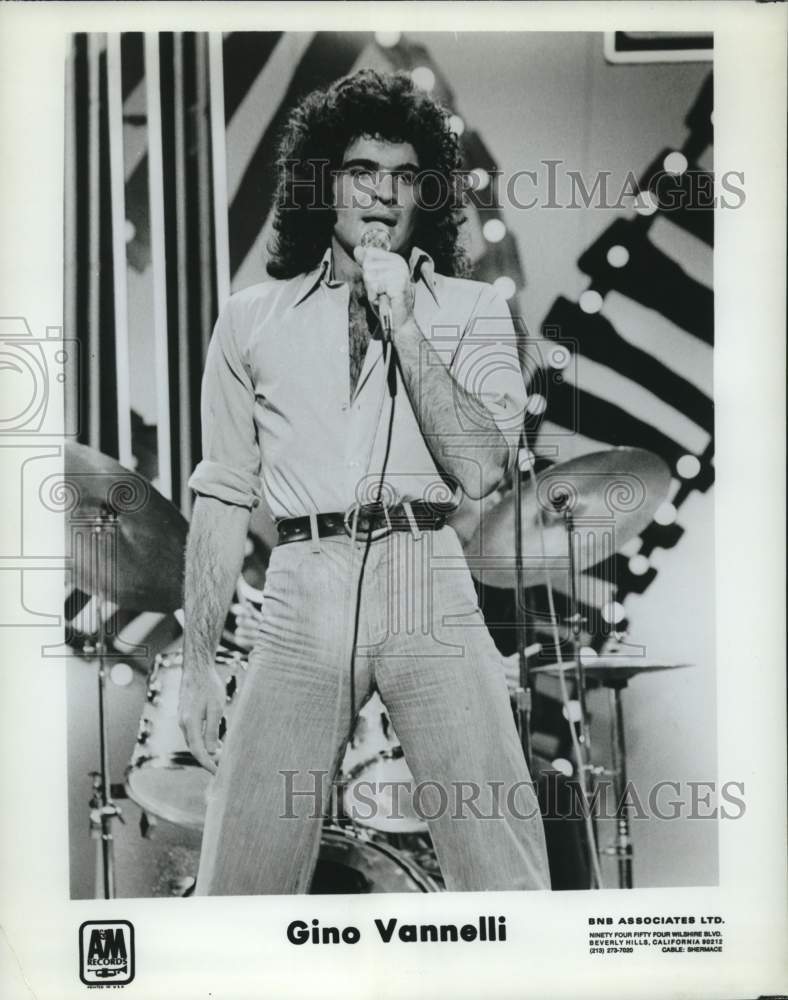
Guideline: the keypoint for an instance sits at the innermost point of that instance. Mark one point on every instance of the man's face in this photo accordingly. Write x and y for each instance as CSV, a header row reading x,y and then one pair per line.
x,y
375,190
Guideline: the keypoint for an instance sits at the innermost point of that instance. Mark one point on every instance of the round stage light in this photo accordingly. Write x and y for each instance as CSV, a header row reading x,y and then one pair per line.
x,y
493,230
613,613
665,514
590,302
639,565
646,203
387,39
121,675
618,256
574,714
130,230
587,654
536,404
481,178
675,163
632,547
688,466
423,77
505,286
563,766
456,124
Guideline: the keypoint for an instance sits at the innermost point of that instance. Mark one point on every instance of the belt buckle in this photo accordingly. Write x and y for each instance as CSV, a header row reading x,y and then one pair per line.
x,y
350,521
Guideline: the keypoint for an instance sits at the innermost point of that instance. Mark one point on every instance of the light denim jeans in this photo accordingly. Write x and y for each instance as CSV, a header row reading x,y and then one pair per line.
x,y
423,643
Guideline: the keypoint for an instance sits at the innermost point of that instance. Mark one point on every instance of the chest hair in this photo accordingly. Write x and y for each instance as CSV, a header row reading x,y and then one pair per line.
x,y
360,321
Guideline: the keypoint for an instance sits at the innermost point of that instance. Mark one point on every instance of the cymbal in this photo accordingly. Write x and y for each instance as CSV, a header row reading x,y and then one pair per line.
x,y
612,496
609,669
140,568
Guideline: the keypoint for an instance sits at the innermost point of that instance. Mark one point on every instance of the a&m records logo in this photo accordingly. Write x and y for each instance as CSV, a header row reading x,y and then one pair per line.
x,y
106,952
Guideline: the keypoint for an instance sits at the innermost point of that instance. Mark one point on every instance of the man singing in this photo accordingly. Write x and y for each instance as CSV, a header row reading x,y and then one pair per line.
x,y
362,393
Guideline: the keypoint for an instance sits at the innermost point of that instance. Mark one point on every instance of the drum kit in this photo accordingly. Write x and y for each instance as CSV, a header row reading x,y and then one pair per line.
x,y
128,544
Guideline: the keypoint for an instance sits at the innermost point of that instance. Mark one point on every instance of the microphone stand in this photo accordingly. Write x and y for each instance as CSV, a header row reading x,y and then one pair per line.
x,y
522,694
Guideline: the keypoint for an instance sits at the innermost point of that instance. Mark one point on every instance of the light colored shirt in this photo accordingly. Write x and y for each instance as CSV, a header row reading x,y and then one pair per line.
x,y
278,418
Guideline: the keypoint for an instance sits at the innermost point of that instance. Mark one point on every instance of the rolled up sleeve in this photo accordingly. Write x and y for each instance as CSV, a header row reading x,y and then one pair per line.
x,y
487,366
230,466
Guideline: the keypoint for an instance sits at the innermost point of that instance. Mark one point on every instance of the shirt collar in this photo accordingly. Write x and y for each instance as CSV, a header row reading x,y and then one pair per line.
x,y
422,268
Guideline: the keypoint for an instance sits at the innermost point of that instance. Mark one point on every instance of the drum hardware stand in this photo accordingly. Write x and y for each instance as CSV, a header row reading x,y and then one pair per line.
x,y
522,693
575,621
622,845
148,825
103,808
621,848
561,505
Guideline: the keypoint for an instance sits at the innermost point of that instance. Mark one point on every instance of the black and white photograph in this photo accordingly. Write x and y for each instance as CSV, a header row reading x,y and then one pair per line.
x,y
407,426
369,326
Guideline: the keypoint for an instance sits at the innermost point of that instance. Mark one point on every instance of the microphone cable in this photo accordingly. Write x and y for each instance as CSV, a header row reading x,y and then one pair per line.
x,y
390,382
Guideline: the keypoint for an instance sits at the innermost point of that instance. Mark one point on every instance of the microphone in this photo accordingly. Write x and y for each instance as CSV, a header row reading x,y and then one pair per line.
x,y
380,238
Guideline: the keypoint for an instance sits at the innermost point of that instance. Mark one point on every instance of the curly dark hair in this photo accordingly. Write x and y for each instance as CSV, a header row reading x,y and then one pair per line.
x,y
319,130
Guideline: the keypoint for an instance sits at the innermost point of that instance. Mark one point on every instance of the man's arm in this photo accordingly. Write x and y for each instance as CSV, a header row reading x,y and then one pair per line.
x,y
214,556
227,485
476,457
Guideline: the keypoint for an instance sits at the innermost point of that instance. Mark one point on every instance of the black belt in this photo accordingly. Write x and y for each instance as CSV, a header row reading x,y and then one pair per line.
x,y
372,519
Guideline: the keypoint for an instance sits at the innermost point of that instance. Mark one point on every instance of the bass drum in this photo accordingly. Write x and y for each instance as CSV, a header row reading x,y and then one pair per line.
x,y
163,778
377,784
349,863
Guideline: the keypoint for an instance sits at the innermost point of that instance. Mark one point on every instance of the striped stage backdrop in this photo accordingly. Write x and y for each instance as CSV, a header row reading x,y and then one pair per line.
x,y
638,368
172,141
